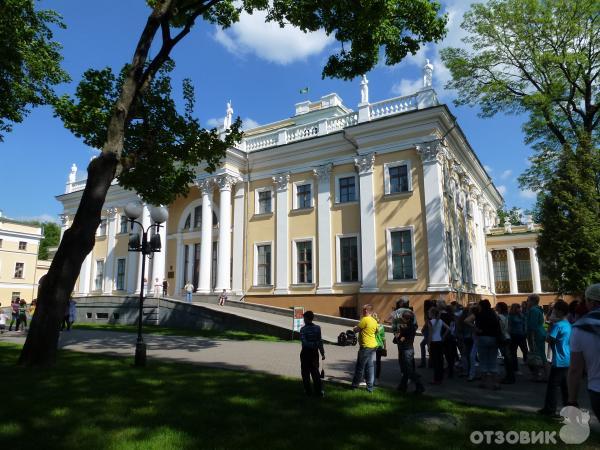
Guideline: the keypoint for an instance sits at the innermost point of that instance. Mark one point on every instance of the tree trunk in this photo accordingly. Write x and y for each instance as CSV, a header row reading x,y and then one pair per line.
x,y
57,286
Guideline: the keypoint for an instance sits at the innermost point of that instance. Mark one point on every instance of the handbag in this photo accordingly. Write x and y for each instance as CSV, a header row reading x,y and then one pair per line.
x,y
322,373
384,352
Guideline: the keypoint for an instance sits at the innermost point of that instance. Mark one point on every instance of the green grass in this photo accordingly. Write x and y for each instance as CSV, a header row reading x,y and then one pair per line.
x,y
94,402
166,331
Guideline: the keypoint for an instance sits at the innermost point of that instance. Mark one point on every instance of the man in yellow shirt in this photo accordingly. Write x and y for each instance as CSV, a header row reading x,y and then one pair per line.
x,y
367,327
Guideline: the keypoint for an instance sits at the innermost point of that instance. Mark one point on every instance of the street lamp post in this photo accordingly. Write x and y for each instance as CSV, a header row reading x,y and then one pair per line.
x,y
141,243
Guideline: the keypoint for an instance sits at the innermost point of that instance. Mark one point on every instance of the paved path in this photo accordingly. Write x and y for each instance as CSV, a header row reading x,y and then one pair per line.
x,y
282,358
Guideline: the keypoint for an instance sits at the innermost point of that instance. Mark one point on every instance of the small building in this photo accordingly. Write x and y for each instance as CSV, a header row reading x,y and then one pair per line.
x,y
20,269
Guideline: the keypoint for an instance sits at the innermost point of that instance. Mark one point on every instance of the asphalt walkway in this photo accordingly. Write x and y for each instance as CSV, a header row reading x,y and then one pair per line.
x,y
282,358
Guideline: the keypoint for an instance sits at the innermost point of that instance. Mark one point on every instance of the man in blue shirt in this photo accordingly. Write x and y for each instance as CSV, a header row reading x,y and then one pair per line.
x,y
312,344
558,338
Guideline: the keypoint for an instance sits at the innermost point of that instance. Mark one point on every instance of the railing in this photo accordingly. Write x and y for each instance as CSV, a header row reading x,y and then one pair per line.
x,y
302,132
339,123
261,141
393,106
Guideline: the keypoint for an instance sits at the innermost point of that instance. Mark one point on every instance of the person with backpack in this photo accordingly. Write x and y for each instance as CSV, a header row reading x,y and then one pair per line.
x,y
312,345
367,327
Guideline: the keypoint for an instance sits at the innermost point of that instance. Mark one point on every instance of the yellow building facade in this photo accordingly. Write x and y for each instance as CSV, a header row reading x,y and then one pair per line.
x,y
330,208
20,269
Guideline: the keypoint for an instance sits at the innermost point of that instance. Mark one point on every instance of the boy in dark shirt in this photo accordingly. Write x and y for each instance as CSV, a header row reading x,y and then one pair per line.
x,y
405,337
312,344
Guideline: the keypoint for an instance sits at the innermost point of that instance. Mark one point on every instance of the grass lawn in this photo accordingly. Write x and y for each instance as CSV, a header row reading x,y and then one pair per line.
x,y
165,331
95,402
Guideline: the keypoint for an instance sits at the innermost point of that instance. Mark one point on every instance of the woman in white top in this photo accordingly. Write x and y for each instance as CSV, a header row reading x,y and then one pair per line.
x,y
437,332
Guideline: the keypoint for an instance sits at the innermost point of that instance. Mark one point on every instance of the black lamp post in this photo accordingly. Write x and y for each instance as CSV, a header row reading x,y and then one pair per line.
x,y
140,243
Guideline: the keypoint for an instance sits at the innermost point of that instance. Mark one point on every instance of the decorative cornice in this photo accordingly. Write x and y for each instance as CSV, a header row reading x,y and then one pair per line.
x,y
226,182
322,173
365,163
281,181
434,151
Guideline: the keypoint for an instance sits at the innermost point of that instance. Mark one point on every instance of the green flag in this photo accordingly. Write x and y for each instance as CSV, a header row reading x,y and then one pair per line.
x,y
304,90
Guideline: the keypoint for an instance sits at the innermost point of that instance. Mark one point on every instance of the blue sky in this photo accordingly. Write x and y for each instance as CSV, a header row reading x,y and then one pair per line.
x,y
259,67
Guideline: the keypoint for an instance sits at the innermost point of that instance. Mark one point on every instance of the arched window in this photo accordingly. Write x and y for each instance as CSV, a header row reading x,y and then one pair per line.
x,y
188,221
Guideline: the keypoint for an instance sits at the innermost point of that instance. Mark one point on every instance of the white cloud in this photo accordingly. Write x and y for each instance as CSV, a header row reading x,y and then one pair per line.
x,y
488,169
502,189
215,122
247,123
252,35
506,174
40,218
528,194
406,87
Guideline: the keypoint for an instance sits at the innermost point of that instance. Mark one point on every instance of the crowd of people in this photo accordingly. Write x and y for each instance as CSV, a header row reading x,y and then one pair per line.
x,y
480,343
21,314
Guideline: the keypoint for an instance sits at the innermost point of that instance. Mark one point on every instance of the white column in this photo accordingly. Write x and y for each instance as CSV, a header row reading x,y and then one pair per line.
x,y
282,244
323,175
85,274
432,155
490,264
179,261
238,240
159,259
189,254
145,221
535,270
225,183
482,252
512,270
368,248
204,287
109,265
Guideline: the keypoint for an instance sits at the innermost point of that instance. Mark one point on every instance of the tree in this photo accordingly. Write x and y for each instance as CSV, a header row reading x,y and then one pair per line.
x,y
51,232
512,216
363,28
542,58
29,60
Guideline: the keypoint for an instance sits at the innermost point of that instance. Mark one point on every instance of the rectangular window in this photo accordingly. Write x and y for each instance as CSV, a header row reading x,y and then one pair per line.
x,y
15,295
102,227
22,245
19,268
198,216
349,259
303,196
121,274
264,202
402,258
99,274
304,256
347,189
523,266
123,225
499,260
263,268
398,179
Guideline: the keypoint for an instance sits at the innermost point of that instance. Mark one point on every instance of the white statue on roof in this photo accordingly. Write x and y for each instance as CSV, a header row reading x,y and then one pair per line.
x,y
73,174
427,74
228,116
364,89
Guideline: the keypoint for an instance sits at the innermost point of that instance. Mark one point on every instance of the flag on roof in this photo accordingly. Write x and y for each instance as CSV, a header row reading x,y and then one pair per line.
x,y
304,90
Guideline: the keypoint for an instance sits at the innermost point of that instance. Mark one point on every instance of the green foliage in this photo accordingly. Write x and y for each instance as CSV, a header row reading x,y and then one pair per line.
x,y
51,232
512,216
569,243
163,146
29,60
539,57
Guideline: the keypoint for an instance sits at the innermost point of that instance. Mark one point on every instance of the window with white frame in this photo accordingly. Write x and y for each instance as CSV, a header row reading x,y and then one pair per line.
x,y
120,281
22,245
263,265
348,257
264,201
397,177
400,254
99,274
102,227
19,269
123,224
303,195
346,189
304,262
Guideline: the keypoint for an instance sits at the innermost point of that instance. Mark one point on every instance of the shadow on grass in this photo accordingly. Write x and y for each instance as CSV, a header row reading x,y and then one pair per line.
x,y
97,402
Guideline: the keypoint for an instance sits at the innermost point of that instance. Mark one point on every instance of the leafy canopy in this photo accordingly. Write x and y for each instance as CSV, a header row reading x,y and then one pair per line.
x,y
539,57
162,145
29,60
51,238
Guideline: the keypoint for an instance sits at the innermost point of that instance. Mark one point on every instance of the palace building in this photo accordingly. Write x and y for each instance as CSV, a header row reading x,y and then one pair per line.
x,y
330,208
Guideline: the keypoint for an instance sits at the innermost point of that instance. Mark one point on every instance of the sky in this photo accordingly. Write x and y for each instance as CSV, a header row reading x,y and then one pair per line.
x,y
259,67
